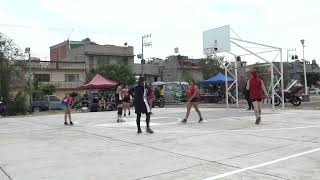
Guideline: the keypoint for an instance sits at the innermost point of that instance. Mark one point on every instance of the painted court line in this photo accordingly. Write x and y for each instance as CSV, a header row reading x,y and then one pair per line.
x,y
247,130
261,165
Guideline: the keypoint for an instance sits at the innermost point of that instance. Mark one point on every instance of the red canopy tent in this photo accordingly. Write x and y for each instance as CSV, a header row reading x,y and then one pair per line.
x,y
99,82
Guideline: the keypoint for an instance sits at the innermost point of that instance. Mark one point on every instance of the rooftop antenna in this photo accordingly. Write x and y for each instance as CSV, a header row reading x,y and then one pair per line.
x,y
72,30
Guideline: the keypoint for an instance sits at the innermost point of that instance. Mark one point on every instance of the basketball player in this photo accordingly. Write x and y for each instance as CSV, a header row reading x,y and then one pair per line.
x,y
119,102
142,105
256,87
193,100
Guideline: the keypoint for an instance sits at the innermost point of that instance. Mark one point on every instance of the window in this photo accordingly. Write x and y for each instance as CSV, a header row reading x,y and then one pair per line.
x,y
99,61
53,98
90,62
71,77
125,61
103,60
42,77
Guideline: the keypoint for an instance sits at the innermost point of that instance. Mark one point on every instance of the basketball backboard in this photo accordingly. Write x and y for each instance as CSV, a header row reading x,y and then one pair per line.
x,y
217,39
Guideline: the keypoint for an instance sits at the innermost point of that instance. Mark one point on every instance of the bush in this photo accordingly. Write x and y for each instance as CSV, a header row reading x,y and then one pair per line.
x,y
115,72
18,105
48,89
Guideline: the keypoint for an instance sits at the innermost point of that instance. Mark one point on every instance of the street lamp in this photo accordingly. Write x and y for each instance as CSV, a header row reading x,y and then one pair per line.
x,y
287,65
144,44
27,51
304,68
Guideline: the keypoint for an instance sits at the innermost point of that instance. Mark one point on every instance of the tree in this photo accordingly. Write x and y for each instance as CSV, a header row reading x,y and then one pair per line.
x,y
18,105
312,78
9,66
47,89
11,73
210,66
115,72
186,75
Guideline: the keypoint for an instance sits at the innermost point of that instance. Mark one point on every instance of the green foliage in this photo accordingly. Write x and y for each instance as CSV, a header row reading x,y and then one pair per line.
x,y
186,76
210,67
5,80
10,68
312,78
8,49
47,89
115,72
18,105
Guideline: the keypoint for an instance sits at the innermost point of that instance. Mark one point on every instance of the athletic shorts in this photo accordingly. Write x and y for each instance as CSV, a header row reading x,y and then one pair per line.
x,y
64,104
195,99
126,99
119,101
258,99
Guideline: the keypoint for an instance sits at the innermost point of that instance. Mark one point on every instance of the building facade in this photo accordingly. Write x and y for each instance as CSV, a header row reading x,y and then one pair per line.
x,y
71,60
291,70
65,76
92,54
173,68
295,69
60,51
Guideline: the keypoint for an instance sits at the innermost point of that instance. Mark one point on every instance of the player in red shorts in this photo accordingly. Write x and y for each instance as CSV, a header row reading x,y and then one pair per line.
x,y
193,100
257,93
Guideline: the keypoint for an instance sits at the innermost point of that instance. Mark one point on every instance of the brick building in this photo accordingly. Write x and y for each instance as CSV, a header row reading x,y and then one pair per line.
x,y
92,54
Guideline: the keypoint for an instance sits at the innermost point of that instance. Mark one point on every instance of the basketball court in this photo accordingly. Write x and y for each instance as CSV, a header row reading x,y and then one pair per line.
x,y
228,145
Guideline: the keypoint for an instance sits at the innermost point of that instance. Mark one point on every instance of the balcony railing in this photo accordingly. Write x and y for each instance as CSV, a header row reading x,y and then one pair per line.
x,y
63,84
58,65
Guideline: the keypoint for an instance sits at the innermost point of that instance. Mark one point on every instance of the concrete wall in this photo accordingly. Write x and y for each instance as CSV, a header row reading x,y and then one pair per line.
x,y
93,54
59,51
169,71
109,50
148,69
59,75
57,78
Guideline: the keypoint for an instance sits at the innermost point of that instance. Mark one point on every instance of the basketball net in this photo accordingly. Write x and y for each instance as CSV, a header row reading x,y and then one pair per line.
x,y
211,51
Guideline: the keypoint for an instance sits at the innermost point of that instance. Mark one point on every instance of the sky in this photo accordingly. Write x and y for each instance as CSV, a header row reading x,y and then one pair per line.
x,y
39,24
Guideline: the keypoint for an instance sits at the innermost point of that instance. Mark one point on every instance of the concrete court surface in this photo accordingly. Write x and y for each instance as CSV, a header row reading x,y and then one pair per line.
x,y
228,145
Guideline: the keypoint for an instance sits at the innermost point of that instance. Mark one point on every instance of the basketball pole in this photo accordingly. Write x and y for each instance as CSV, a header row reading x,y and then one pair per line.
x,y
227,88
225,73
272,83
250,42
282,79
270,62
237,90
236,78
221,35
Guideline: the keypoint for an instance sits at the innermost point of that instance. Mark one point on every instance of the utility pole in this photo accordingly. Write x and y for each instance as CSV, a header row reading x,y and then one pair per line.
x,y
143,44
287,65
27,50
304,68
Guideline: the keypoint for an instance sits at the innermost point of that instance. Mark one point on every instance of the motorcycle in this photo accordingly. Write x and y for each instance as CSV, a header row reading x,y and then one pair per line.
x,y
3,109
160,102
289,96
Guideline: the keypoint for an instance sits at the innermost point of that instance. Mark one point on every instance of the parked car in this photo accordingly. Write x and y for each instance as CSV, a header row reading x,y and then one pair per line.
x,y
48,102
314,91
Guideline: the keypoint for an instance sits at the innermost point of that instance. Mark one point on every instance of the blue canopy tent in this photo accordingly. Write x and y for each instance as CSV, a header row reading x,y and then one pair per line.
x,y
217,79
